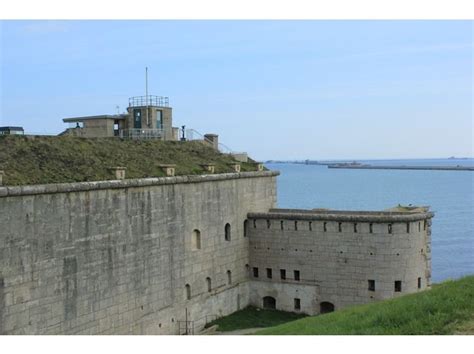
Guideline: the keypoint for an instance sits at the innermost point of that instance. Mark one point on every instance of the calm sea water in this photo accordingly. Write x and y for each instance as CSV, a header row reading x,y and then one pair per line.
x,y
450,194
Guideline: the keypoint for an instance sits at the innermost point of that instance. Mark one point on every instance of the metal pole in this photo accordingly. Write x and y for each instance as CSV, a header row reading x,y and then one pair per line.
x,y
146,96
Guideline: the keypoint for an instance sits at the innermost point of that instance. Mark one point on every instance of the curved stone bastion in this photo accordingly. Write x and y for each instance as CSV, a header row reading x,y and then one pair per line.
x,y
168,255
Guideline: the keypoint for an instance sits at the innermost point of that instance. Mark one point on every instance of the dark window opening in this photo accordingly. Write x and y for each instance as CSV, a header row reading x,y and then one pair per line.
x,y
254,223
247,269
326,307
297,303
255,272
389,228
408,227
355,227
424,225
419,283
371,285
227,232
188,291
419,226
229,277
269,224
310,226
208,282
398,286
281,224
297,274
371,228
325,226
245,227
340,227
269,273
269,303
283,274
296,225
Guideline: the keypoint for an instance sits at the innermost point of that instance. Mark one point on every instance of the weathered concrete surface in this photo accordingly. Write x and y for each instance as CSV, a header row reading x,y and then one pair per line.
x,y
336,254
114,257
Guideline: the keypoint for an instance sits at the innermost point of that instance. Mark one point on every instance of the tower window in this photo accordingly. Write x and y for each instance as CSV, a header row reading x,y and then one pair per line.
x,y
269,224
282,224
419,283
389,228
229,277
296,274
269,273
398,286
340,227
355,227
246,222
297,303
408,227
196,240
310,226
371,285
325,226
371,228
227,232
283,274
208,282
296,225
188,291
254,223
255,272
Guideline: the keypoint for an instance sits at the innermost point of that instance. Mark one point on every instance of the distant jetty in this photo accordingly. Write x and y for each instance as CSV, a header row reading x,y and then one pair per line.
x,y
355,165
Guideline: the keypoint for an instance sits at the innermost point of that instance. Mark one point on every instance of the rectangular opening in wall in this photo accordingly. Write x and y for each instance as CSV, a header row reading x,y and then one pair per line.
x,y
282,224
269,273
283,274
371,228
340,227
325,226
269,224
254,223
389,228
255,272
408,227
296,225
297,303
398,286
424,225
419,283
310,226
371,285
355,227
297,275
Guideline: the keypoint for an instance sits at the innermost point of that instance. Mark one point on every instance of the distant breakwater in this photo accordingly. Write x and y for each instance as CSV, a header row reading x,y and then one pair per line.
x,y
373,167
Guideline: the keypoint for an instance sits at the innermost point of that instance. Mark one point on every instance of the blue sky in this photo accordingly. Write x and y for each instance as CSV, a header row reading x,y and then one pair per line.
x,y
277,89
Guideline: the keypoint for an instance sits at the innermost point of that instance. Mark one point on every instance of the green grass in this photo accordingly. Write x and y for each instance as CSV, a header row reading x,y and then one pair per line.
x,y
252,317
446,309
40,159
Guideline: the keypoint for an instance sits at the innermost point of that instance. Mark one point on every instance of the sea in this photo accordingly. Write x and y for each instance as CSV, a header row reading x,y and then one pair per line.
x,y
450,195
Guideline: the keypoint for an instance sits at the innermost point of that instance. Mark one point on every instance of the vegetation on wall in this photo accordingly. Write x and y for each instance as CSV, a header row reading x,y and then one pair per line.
x,y
41,159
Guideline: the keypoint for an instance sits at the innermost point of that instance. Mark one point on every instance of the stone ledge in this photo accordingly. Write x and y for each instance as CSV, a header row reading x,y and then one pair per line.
x,y
126,183
350,216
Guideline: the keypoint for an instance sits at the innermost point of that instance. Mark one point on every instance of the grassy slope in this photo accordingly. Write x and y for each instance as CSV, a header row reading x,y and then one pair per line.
x,y
38,160
446,309
252,317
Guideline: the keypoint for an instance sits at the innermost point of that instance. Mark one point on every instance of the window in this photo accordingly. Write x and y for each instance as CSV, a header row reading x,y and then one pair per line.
x,y
254,223
188,291
296,225
325,226
297,274
269,273
229,277
340,227
247,269
196,240
255,272
355,227
419,283
310,226
208,282
389,228
227,232
371,229
246,222
282,225
408,227
398,286
371,285
424,225
269,224
297,303
283,274
419,226
159,120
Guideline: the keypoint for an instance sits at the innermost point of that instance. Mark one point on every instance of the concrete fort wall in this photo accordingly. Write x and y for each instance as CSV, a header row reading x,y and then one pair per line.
x,y
335,255
126,257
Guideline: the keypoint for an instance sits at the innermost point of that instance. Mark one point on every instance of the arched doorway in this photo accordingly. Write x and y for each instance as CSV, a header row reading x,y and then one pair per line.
x,y
326,307
269,303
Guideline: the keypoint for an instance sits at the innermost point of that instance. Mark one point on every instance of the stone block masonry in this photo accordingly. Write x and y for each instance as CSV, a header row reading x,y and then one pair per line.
x,y
118,257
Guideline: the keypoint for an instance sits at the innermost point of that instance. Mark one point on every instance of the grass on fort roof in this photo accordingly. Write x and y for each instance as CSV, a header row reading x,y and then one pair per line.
x,y
252,317
58,159
446,309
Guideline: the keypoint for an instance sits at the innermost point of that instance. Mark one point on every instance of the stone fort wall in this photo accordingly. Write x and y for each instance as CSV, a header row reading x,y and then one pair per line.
x,y
126,257
340,258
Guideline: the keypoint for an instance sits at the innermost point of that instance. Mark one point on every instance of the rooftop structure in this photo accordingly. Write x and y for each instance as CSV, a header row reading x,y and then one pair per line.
x,y
11,131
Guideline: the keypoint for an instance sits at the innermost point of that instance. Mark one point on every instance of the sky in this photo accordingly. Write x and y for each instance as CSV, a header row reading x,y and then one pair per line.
x,y
275,89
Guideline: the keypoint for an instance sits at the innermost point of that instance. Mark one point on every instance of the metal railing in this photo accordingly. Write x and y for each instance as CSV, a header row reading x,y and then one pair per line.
x,y
150,100
141,133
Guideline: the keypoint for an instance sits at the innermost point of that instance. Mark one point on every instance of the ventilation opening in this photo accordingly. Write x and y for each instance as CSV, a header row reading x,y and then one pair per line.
x,y
371,285
296,225
297,275
419,283
310,226
229,277
227,232
269,224
188,291
389,228
325,226
246,224
408,227
255,272
398,286
269,273
340,227
371,228
283,274
355,227
209,286
297,303
282,224
326,307
269,303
